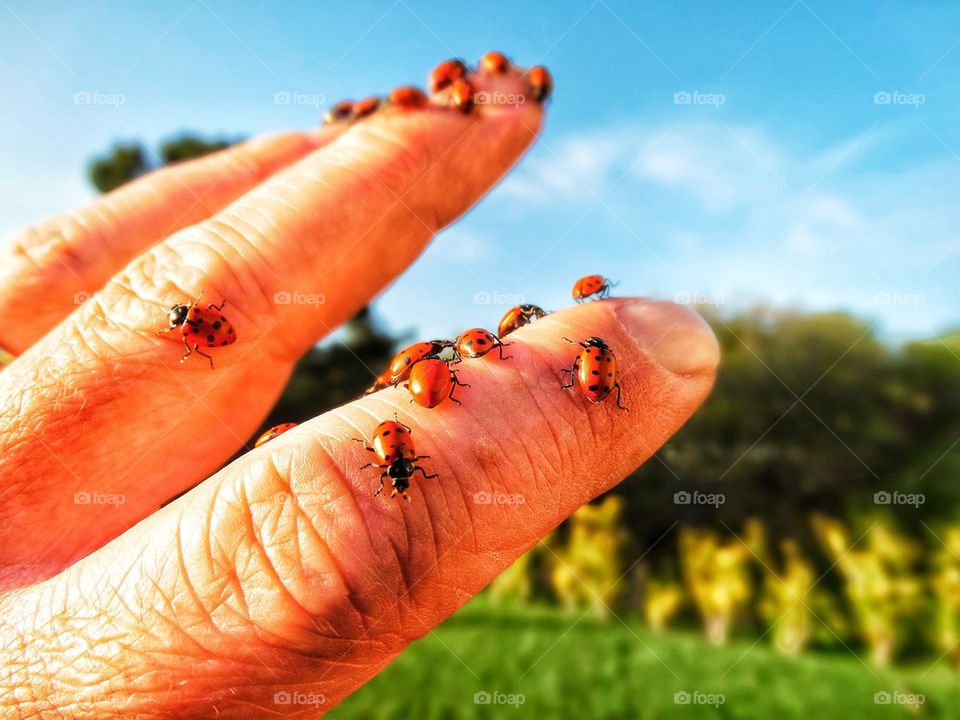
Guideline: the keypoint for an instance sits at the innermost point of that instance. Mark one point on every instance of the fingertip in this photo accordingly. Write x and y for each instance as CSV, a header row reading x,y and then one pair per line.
x,y
673,336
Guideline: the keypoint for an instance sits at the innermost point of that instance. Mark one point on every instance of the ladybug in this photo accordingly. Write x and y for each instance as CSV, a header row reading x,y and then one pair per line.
x,y
431,382
541,84
383,380
399,368
495,62
517,317
446,73
407,97
273,432
365,107
462,95
477,342
396,456
590,285
343,110
200,326
594,370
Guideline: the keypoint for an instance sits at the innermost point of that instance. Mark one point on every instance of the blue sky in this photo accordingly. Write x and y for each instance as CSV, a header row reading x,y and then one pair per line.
x,y
805,153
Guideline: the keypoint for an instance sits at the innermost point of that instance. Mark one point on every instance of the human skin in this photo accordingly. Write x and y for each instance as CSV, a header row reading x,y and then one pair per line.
x,y
282,572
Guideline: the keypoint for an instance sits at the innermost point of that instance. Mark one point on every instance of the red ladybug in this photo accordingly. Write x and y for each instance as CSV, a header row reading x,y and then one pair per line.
x,y
590,285
408,97
477,342
446,73
396,456
541,84
495,62
206,327
365,107
399,368
431,382
343,110
517,317
274,432
462,95
594,370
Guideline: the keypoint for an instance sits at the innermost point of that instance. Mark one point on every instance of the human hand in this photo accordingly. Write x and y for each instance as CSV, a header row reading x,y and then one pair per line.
x,y
281,576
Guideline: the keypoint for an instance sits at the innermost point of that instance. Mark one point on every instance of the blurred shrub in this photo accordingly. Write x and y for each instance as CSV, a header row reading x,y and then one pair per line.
x,y
586,569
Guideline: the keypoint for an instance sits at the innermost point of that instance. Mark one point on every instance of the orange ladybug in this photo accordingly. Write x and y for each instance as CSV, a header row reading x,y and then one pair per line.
x,y
365,107
594,370
517,317
431,382
343,110
399,368
407,97
395,455
446,73
273,432
495,62
200,326
462,95
477,342
541,84
591,285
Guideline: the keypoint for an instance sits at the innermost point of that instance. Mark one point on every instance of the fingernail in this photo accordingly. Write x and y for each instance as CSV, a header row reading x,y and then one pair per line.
x,y
673,336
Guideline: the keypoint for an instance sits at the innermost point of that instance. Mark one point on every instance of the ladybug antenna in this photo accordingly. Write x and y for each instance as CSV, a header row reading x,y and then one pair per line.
x,y
611,283
572,342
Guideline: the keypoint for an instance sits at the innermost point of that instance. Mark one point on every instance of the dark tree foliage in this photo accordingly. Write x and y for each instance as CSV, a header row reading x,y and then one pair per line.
x,y
809,413
121,165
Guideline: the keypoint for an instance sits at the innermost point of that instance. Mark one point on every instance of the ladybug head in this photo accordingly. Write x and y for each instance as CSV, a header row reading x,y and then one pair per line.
x,y
177,315
400,471
595,342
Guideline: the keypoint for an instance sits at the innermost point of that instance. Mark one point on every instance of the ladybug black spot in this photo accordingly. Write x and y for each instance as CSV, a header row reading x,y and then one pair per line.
x,y
196,330
593,388
199,321
399,431
211,338
196,311
230,331
597,357
224,343
609,374
222,319
481,341
594,372
216,325
386,432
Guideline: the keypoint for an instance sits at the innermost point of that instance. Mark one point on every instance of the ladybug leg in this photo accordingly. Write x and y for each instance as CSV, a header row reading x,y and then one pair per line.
x,y
382,477
186,344
218,308
617,386
500,347
424,472
196,349
365,446
572,372
396,416
454,385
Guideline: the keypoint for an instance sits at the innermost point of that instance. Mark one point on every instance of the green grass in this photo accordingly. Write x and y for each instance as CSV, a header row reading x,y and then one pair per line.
x,y
607,670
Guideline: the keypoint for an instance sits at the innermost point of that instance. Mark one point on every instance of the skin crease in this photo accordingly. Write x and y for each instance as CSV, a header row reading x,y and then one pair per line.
x,y
282,572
